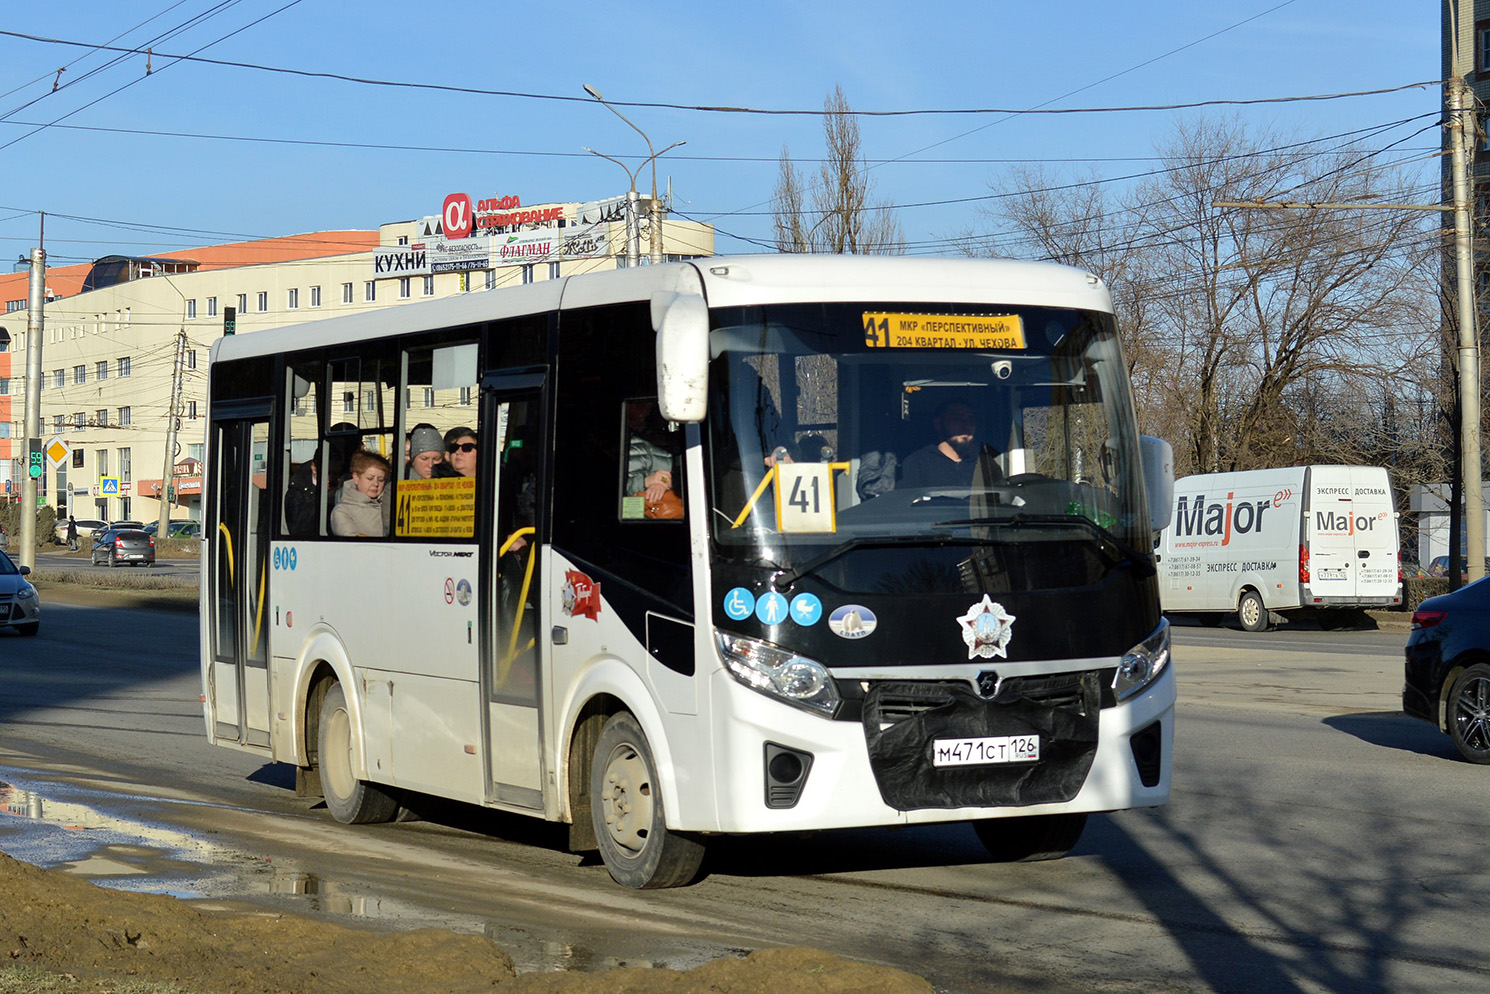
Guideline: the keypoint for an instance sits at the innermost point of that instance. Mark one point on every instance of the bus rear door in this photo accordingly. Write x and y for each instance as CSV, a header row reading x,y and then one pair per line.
x,y
238,573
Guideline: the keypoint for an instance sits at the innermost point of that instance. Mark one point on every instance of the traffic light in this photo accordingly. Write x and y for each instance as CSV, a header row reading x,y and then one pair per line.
x,y
229,320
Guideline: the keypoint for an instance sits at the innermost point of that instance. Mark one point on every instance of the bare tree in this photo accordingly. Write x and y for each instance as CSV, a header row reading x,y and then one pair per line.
x,y
1261,337
843,216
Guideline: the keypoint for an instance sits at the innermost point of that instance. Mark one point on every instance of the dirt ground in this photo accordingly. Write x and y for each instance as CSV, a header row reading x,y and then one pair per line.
x,y
66,925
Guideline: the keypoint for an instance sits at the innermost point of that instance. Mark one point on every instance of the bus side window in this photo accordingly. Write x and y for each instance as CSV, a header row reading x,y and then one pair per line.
x,y
303,492
653,484
434,490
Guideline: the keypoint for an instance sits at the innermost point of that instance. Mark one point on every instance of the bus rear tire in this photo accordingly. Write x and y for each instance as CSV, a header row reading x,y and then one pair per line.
x,y
1252,613
1030,839
350,801
626,807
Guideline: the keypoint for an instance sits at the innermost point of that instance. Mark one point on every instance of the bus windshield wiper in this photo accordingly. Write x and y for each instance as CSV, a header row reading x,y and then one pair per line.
x,y
791,576
1123,550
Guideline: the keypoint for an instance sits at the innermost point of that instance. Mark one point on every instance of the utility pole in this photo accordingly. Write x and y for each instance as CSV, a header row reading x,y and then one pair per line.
x,y
1469,342
35,460
167,493
655,253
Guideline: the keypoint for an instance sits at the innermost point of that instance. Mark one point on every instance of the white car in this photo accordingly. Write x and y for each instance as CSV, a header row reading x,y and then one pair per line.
x,y
86,528
19,606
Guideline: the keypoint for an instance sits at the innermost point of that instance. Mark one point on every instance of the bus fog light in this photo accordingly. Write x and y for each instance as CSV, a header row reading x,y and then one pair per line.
x,y
777,673
1143,663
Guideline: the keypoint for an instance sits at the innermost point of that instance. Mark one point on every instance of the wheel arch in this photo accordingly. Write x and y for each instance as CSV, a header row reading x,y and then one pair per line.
x,y
323,661
607,687
1451,674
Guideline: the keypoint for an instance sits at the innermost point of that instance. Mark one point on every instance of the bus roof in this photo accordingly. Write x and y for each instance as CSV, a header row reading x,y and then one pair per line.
x,y
728,281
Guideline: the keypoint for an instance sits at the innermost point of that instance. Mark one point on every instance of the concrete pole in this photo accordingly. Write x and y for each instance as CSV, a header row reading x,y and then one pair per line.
x,y
1469,344
35,460
167,476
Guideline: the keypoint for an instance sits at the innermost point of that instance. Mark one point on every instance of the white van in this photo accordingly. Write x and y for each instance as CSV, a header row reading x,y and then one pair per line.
x,y
1276,540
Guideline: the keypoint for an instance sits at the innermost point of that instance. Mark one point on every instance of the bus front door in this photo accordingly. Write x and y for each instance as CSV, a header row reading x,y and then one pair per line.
x,y
238,576
510,643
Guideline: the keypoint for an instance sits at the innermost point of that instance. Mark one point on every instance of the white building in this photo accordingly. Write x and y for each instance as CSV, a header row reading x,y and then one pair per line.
x,y
119,335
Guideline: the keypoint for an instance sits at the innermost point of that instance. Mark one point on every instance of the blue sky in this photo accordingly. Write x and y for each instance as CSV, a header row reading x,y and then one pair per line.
x,y
773,54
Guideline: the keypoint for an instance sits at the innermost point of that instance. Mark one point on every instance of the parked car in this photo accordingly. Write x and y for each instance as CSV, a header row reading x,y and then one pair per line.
x,y
1439,566
20,608
176,529
87,528
127,524
1447,677
123,545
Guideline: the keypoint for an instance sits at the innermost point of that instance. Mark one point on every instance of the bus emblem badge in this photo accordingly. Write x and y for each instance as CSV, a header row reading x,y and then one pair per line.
x,y
988,684
580,596
987,628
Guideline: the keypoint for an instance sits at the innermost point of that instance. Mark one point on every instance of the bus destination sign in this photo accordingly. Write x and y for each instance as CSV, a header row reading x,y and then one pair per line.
x,y
942,331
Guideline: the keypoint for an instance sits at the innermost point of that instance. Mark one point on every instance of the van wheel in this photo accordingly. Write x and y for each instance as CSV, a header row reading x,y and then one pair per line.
x,y
1032,838
1251,613
626,806
1469,714
350,801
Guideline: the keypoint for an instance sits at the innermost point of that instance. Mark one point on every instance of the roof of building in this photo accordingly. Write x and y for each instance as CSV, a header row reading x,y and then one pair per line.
x,y
66,281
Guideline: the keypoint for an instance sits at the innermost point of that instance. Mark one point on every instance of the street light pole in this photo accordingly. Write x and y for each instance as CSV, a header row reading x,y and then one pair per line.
x,y
633,228
656,210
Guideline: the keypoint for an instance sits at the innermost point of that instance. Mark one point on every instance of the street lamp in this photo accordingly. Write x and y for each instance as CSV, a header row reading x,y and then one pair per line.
x,y
633,226
656,251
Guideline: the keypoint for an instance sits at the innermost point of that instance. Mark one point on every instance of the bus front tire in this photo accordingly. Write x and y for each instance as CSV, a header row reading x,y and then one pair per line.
x,y
1251,613
1032,838
626,807
350,801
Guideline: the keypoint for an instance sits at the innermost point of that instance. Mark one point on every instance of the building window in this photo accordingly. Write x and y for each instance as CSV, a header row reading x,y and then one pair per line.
x,y
4,386
212,307
191,309
429,396
58,422
293,300
59,378
243,303
124,467
553,270
124,415
101,417
101,370
403,239
346,293
315,296
528,273
191,410
465,396
79,419
1482,46
191,358
491,279
122,364
349,403
263,301
80,374
103,461
429,286
404,291
370,291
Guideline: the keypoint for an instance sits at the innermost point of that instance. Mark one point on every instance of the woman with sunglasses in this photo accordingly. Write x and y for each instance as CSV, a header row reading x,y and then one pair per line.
x,y
460,451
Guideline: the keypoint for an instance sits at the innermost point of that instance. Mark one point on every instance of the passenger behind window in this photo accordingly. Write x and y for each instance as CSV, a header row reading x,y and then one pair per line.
x,y
650,456
426,451
952,459
460,452
360,508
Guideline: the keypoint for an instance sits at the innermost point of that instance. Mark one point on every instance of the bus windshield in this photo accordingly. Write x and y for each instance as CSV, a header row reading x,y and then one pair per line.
x,y
841,428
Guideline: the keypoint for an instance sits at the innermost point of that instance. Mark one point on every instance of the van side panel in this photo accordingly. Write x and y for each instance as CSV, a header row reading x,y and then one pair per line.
x,y
1231,532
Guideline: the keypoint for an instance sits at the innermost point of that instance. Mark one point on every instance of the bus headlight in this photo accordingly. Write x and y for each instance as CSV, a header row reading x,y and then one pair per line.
x,y
778,673
1143,663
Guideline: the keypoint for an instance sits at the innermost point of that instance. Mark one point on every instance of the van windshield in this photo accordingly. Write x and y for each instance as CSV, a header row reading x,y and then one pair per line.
x,y
1008,427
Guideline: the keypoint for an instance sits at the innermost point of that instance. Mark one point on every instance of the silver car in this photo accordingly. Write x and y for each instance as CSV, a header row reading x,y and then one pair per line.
x,y
19,606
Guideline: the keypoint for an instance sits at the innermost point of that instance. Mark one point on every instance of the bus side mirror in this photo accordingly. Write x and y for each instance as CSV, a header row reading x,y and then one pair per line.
x,y
682,324
1158,480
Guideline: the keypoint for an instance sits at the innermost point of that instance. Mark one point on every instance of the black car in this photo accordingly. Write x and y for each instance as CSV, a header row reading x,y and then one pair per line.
x,y
1448,668
123,545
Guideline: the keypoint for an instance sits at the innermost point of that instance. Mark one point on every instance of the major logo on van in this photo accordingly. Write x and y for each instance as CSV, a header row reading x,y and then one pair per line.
x,y
1222,519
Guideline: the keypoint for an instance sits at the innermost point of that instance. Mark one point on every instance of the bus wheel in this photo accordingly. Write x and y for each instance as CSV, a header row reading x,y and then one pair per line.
x,y
1469,714
1032,838
350,801
1251,613
626,805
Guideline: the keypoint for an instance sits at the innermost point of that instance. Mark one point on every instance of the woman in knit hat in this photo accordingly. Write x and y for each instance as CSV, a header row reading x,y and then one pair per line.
x,y
426,451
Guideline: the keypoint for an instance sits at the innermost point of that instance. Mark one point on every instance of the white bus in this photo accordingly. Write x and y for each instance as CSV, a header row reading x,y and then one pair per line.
x,y
697,580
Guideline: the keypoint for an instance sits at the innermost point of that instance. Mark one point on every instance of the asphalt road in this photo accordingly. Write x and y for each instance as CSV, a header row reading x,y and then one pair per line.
x,y
1317,840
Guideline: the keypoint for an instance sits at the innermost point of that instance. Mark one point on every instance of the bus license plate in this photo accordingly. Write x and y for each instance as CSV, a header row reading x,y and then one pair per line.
x,y
985,751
